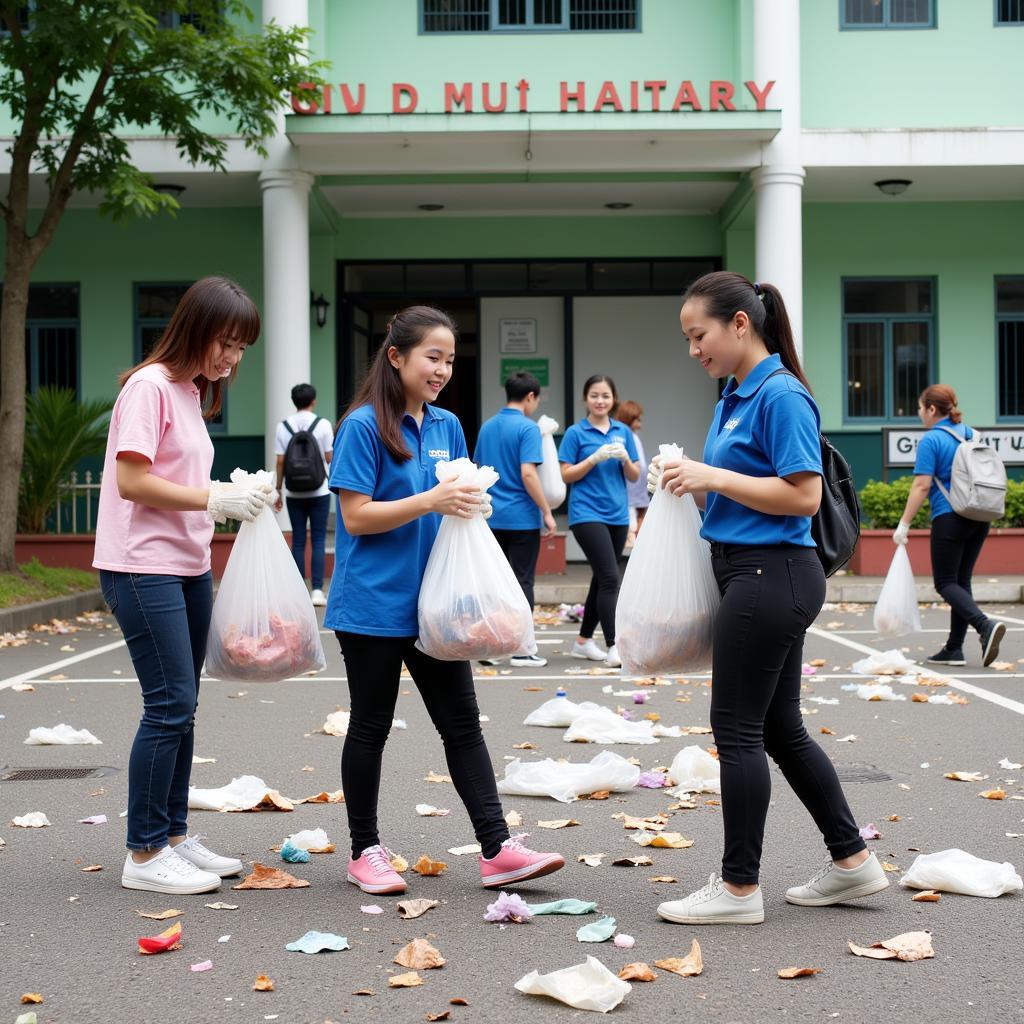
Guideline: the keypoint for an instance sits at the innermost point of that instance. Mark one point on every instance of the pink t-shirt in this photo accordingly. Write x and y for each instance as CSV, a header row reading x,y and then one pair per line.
x,y
162,420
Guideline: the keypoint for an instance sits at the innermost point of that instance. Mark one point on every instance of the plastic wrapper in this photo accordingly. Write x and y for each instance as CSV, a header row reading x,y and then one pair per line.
x,y
566,780
962,872
471,607
694,770
589,986
559,712
896,612
665,616
61,735
885,663
549,471
264,626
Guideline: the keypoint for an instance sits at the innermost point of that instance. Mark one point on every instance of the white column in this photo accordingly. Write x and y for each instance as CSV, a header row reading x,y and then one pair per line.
x,y
285,293
778,183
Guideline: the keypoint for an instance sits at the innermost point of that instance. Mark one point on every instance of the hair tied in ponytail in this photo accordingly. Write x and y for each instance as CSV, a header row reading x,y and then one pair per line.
x,y
757,291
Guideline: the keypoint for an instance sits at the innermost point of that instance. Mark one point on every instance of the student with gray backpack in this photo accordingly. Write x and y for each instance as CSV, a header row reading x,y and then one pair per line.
x,y
965,483
304,444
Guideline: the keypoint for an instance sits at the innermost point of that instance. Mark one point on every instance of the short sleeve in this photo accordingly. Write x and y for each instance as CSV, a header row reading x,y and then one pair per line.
x,y
926,461
281,439
141,418
791,436
529,444
325,436
569,449
359,453
630,444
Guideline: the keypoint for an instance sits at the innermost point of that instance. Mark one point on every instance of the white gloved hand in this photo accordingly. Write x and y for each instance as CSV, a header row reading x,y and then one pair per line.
x,y
237,501
619,451
654,471
486,508
901,534
604,453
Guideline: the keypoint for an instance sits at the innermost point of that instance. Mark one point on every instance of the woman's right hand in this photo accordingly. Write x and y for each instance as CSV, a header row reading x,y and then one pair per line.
x,y
237,501
451,498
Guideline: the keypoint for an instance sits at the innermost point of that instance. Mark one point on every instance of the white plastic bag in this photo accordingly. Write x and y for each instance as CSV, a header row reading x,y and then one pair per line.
x,y
694,770
589,986
565,780
885,663
896,612
559,712
471,606
664,619
962,872
264,626
549,471
62,735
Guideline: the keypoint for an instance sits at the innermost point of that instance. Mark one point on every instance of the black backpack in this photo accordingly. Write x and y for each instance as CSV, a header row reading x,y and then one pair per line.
x,y
303,460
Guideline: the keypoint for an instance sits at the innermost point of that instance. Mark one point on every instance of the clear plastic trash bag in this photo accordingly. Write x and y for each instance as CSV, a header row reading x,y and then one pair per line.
x,y
549,471
962,872
896,612
566,780
264,627
471,606
665,616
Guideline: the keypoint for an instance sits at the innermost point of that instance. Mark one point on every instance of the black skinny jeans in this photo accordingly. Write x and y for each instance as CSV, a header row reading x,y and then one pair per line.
x,y
770,595
956,544
602,544
373,665
521,548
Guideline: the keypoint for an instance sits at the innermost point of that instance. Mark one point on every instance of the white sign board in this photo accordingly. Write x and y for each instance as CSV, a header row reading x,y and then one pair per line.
x,y
900,444
517,336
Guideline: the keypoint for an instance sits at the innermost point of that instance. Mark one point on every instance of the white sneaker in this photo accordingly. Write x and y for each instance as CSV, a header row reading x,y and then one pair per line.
x,y
206,860
833,884
714,904
527,661
319,601
613,659
167,873
588,649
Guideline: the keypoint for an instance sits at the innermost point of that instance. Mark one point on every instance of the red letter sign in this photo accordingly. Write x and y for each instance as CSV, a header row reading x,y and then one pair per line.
x,y
456,97
577,97
404,98
721,95
760,95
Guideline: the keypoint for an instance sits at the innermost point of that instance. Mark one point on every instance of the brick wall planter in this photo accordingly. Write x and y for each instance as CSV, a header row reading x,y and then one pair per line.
x,y
67,550
1002,555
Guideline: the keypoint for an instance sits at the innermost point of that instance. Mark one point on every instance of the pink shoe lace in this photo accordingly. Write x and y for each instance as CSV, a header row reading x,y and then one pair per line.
x,y
379,858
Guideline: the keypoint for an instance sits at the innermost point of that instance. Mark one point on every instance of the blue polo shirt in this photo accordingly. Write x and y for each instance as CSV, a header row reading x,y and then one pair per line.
x,y
600,496
766,426
505,442
377,576
935,454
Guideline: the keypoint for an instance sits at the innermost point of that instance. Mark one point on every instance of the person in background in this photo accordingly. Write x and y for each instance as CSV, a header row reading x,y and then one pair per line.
x,y
598,457
955,541
632,414
304,444
510,443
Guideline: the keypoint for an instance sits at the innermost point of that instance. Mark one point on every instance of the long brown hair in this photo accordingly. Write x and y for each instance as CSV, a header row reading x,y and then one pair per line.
x,y
726,293
943,397
213,307
381,388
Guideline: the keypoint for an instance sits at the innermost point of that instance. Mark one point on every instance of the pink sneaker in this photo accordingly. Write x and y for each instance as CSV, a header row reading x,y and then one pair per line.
x,y
373,873
516,863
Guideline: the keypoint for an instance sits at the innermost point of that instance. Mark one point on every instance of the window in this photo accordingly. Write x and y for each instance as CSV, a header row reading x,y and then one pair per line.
x,y
888,332
1010,347
23,15
1010,12
51,337
176,19
859,14
530,15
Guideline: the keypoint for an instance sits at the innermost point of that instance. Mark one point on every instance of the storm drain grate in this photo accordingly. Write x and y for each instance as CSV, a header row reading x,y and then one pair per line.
x,y
53,774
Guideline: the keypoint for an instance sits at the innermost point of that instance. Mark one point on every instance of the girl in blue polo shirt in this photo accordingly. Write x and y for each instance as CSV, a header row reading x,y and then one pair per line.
x,y
759,484
597,456
956,542
391,505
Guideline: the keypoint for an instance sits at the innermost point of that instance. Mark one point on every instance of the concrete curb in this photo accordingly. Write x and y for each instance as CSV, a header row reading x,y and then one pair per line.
x,y
12,620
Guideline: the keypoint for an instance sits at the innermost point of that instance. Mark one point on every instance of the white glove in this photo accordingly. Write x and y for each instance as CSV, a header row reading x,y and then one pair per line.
x,y
654,472
605,452
486,507
619,451
901,534
237,501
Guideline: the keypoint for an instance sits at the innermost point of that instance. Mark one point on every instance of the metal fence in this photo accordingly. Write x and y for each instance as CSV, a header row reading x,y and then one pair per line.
x,y
77,504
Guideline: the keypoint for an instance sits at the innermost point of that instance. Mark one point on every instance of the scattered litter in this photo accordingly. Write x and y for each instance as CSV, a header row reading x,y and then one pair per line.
x,y
196,759
409,909
508,907
34,819
318,942
799,972
433,776
221,906
605,726
292,854
873,691
663,840
1010,766
694,770
624,941
592,860
662,878
408,980
372,908
22,687
993,794
823,700
597,931
909,946
245,793
93,867
338,721
163,915
61,735
31,997
566,780
652,823
263,877
928,896
1002,666
587,986
26,1018
263,984
224,938
169,939
851,738
95,819
399,863
419,955
885,663
461,851
632,862
965,776
426,866
312,840
429,811
558,823
567,906
961,872
897,612
870,832
199,968
637,972
653,780
688,966
337,797
513,819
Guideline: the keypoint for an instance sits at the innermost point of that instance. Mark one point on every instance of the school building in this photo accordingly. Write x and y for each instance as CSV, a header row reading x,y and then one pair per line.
x,y
554,173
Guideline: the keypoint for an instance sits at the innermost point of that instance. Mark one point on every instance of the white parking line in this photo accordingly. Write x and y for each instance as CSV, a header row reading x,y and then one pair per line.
x,y
956,684
1006,618
35,673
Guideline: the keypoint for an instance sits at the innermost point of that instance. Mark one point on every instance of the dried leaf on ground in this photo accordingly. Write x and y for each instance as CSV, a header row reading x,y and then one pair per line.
x,y
408,980
598,794
919,698
221,906
430,811
443,1015
93,867
399,863
419,955
557,823
524,746
906,946
263,984
410,909
168,939
163,915
592,860
887,866
1002,666
662,878
993,794
654,823
687,966
263,877
426,866
637,972
434,777
337,797
928,896
798,972
459,1001
364,992
633,862
816,662
826,731
31,998
664,840
965,776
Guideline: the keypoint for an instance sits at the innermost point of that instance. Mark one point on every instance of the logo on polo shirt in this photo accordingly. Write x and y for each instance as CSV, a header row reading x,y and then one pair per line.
x,y
439,453
732,423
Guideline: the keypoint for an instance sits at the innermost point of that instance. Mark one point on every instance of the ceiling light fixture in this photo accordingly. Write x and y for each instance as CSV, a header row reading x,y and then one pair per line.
x,y
893,186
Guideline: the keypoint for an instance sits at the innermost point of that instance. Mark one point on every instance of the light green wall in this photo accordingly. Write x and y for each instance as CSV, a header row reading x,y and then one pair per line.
x,y
964,73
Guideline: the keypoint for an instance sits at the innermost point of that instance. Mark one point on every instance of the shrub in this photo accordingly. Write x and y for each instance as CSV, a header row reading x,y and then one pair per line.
x,y
1014,515
882,504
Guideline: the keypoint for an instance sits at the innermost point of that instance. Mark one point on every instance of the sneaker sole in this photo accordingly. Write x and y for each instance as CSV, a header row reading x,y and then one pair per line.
x,y
856,893
992,647
377,890
730,919
585,657
528,664
532,871
169,890
951,664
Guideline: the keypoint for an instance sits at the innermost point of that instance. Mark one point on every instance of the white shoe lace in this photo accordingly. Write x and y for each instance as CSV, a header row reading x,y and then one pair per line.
x,y
194,843
514,843
709,891
175,862
821,872
379,858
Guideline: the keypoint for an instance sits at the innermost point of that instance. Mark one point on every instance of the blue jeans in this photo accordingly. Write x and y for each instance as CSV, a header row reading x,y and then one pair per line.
x,y
316,511
165,621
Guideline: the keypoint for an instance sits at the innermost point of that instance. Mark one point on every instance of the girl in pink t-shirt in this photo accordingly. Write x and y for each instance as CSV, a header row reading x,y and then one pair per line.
x,y
156,514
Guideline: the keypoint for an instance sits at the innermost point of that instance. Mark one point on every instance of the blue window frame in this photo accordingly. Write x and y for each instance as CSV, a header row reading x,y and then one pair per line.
x,y
875,14
52,337
888,346
1010,348
458,16
1009,12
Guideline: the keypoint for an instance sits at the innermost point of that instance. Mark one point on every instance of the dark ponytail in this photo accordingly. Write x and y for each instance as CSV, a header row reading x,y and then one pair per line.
x,y
382,386
726,294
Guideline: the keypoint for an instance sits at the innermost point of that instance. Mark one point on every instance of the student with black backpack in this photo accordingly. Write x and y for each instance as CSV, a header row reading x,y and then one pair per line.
x,y
304,444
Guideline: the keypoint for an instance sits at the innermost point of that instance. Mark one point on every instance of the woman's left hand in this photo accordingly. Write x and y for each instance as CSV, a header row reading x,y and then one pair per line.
x,y
683,476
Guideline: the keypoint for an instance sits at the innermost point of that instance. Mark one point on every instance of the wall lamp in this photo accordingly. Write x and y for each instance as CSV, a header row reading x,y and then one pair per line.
x,y
320,304
893,186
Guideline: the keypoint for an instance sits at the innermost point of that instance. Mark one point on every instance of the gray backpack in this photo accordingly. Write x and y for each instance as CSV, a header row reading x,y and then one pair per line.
x,y
977,481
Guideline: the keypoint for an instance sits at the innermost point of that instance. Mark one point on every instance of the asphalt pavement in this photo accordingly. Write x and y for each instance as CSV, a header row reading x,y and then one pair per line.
x,y
71,936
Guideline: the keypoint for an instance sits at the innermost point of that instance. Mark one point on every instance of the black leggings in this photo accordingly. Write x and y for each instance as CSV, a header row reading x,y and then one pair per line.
x,y
956,543
374,665
602,544
770,595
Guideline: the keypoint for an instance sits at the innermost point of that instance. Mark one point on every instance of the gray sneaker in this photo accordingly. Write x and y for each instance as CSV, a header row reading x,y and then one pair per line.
x,y
714,904
833,884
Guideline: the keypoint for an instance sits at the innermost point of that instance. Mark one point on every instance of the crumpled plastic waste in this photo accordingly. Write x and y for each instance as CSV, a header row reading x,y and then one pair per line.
x,y
605,726
873,691
566,780
311,840
318,942
587,986
652,780
508,907
961,872
34,819
896,612
549,471
293,854
566,906
245,793
694,770
167,939
870,832
205,965
93,819
600,930
885,663
559,712
338,721
624,941
61,735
